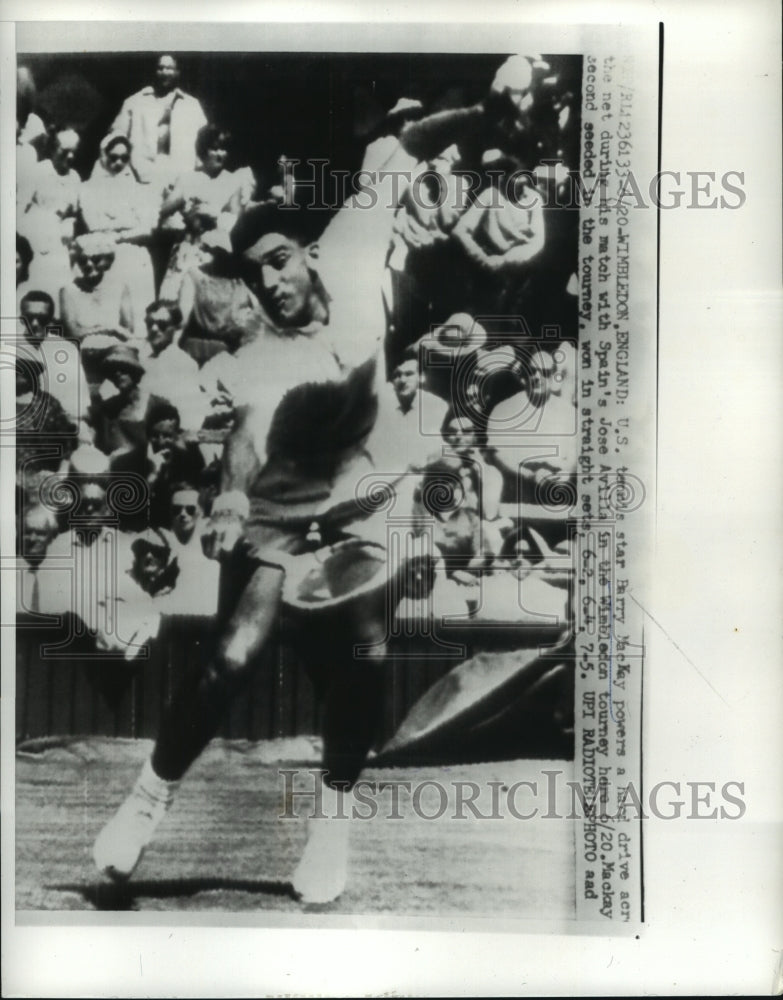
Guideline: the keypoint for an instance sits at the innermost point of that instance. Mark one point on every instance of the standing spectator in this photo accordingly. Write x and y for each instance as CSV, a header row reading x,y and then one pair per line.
x,y
63,375
162,123
113,201
47,211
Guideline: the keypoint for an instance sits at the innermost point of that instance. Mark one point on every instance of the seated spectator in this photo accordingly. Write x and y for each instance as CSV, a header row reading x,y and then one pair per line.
x,y
94,553
95,307
197,587
503,228
63,375
526,550
497,373
446,507
425,217
170,372
88,465
502,119
189,252
121,405
447,498
423,264
211,186
450,348
34,585
44,434
219,379
155,568
219,311
501,234
408,431
465,439
135,605
162,460
113,201
533,433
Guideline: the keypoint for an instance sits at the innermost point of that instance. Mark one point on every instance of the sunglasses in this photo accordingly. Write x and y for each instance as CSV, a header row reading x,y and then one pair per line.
x,y
178,508
119,157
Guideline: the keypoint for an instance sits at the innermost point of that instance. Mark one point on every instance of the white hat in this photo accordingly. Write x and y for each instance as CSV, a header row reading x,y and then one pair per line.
x,y
516,73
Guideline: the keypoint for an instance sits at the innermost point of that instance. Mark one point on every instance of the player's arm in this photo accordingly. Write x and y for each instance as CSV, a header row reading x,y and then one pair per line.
x,y
231,507
429,136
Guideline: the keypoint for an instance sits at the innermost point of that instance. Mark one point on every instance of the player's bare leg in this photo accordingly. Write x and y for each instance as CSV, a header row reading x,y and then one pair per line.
x,y
191,721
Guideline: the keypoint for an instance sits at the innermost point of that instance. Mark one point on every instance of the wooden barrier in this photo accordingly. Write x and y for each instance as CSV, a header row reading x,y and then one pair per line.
x,y
74,690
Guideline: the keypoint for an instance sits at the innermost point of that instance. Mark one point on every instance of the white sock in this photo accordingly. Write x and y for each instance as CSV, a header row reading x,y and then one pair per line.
x,y
155,787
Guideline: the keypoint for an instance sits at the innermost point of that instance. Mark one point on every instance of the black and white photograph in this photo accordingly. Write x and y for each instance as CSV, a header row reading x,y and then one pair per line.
x,y
320,317
335,467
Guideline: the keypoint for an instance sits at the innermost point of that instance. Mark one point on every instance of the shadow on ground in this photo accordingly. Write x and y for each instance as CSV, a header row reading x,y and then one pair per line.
x,y
122,896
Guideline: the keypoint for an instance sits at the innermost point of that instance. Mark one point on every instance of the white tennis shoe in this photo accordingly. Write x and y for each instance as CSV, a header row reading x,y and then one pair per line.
x,y
119,846
322,874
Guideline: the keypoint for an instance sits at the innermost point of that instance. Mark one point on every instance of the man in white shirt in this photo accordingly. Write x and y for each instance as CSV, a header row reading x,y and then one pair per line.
x,y
408,432
93,554
63,375
170,372
196,592
33,579
161,122
533,433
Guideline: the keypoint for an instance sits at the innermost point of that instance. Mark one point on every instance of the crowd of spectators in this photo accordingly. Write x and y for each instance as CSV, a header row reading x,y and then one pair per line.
x,y
138,323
